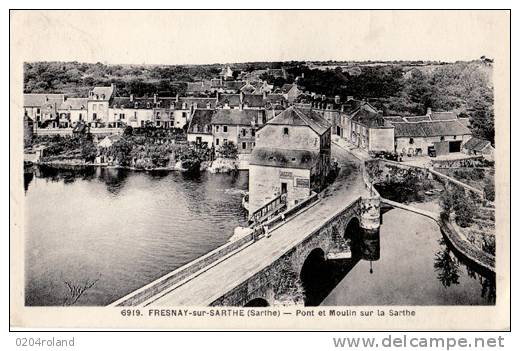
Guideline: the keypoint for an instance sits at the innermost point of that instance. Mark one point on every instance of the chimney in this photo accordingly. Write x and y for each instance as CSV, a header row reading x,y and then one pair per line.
x,y
241,96
177,97
154,98
131,97
264,95
429,111
342,108
336,99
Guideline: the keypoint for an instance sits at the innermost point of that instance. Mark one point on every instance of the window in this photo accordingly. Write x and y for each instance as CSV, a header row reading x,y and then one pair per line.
x,y
411,141
225,141
171,124
185,114
80,117
252,132
224,129
94,115
442,138
217,142
171,115
158,124
142,123
38,111
244,132
285,131
122,116
244,146
216,128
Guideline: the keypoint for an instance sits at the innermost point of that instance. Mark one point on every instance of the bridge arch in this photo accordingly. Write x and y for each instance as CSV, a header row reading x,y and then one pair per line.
x,y
312,275
353,229
257,302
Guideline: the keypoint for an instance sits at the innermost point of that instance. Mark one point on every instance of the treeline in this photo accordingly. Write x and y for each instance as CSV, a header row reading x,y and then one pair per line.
x,y
76,78
464,87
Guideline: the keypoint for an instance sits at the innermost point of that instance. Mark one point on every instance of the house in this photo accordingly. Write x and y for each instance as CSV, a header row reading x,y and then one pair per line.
x,y
98,103
108,141
366,128
424,137
33,105
134,112
291,156
226,73
200,129
71,111
290,92
477,146
237,126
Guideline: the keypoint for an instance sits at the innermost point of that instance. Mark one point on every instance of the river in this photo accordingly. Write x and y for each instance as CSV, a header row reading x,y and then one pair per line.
x,y
120,229
412,265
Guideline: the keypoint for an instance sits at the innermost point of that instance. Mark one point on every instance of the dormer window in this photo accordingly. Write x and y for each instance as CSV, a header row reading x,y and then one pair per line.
x,y
184,106
136,105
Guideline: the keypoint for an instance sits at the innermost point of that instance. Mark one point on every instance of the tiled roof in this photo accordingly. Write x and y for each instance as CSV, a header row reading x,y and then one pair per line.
x,y
303,159
234,84
302,117
417,119
200,121
286,87
476,144
429,129
35,100
253,100
236,117
198,102
393,119
103,92
196,87
443,116
368,118
230,99
275,98
74,104
125,102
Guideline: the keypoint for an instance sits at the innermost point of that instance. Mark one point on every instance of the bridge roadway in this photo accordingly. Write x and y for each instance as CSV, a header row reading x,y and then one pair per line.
x,y
206,287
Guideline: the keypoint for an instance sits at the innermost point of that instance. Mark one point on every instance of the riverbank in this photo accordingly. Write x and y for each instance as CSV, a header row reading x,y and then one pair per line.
x,y
216,166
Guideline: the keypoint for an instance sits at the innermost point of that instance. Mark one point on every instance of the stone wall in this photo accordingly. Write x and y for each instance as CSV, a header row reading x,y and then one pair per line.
x,y
279,283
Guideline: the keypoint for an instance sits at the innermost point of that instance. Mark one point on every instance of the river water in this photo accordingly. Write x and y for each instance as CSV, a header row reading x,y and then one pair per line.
x,y
118,230
411,265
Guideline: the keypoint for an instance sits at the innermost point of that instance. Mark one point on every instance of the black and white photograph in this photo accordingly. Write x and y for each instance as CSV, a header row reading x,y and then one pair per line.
x,y
175,160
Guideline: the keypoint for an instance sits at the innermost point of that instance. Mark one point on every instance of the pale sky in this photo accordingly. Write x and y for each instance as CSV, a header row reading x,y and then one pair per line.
x,y
195,37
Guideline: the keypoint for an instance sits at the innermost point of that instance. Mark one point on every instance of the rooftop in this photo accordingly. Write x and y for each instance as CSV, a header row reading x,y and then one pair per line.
x,y
295,116
235,117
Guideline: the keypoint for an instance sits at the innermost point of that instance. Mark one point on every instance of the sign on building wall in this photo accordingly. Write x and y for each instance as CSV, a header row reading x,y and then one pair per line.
x,y
285,174
302,183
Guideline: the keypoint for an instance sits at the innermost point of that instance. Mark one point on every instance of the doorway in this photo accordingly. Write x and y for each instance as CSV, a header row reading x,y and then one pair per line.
x,y
284,188
455,146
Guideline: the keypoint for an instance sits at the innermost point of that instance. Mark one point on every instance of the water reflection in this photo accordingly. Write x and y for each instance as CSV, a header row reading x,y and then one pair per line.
x,y
120,229
320,276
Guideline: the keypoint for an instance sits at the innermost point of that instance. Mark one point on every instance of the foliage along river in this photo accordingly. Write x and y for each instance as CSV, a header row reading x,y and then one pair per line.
x,y
119,230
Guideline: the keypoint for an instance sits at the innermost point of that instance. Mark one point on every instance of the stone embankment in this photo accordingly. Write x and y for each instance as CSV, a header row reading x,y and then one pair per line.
x,y
379,171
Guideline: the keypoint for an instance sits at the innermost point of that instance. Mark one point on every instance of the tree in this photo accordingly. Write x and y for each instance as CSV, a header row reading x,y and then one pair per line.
x,y
229,150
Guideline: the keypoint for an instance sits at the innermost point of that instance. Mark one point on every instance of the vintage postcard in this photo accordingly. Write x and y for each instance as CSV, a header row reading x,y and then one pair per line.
x,y
286,170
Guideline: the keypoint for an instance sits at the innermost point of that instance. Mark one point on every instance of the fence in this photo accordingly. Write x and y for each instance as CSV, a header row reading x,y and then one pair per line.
x,y
271,208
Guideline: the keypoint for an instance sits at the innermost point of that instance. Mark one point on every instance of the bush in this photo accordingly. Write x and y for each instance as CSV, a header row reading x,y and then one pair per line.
x,y
489,189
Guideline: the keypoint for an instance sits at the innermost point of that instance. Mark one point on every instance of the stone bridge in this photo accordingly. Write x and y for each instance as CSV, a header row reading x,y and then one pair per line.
x,y
284,267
